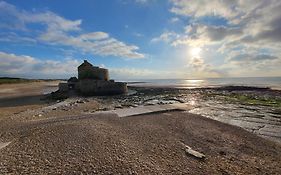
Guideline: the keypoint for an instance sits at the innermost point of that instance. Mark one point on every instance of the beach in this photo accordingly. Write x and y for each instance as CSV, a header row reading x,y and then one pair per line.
x,y
78,136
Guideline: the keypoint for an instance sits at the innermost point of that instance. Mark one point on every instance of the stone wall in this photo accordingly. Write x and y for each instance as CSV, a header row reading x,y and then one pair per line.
x,y
98,87
91,72
63,87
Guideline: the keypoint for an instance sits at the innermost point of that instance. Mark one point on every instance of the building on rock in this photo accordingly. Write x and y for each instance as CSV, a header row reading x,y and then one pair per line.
x,y
93,80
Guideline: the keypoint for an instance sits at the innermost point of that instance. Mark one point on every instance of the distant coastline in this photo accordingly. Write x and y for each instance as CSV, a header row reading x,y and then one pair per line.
x,y
14,80
260,82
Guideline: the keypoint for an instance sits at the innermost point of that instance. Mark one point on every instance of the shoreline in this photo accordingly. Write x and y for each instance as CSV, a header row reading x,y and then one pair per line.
x,y
210,87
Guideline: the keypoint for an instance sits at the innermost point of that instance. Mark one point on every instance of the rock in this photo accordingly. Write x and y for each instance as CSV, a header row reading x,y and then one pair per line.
x,y
80,101
192,152
86,100
118,107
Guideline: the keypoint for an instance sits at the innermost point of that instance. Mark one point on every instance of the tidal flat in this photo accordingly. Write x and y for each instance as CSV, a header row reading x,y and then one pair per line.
x,y
257,110
77,134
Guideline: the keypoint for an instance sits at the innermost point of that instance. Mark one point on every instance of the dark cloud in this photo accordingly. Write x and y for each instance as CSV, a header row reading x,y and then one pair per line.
x,y
217,33
249,57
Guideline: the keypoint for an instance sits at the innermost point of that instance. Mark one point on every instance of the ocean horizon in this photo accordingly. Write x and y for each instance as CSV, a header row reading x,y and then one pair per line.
x,y
271,82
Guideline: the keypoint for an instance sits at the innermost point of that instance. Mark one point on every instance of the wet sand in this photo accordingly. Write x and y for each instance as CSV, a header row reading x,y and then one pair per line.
x,y
15,98
71,138
26,89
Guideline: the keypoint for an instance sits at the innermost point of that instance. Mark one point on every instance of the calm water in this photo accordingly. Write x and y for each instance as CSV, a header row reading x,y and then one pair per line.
x,y
272,82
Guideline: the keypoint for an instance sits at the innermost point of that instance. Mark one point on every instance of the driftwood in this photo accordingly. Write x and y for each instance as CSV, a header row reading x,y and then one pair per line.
x,y
192,152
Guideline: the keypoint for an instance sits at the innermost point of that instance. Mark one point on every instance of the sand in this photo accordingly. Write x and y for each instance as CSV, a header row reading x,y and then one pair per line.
x,y
146,144
15,98
71,140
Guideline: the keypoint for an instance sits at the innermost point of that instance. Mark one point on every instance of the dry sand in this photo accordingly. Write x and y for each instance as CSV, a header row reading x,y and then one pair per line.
x,y
146,144
72,142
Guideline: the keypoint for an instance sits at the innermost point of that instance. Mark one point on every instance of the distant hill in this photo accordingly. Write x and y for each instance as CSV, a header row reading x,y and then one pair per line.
x,y
11,80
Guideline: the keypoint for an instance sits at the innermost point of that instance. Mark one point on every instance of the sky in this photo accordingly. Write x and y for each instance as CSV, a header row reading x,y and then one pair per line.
x,y
141,39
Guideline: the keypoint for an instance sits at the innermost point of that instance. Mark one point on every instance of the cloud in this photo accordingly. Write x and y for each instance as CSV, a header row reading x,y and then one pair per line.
x,y
61,31
144,2
130,73
138,34
98,43
141,1
252,63
252,21
250,57
52,20
218,33
166,37
200,35
27,66
197,67
174,20
204,8
94,36
9,17
15,38
245,33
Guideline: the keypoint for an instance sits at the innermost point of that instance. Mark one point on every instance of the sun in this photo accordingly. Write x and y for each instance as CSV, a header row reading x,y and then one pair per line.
x,y
195,52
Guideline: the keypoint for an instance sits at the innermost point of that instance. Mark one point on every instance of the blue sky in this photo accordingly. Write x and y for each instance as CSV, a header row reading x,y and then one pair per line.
x,y
141,39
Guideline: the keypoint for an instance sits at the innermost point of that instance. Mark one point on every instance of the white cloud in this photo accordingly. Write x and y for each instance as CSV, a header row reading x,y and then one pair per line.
x,y
52,20
174,20
130,73
9,17
94,36
61,31
166,37
252,21
138,34
15,38
141,1
204,8
27,66
252,31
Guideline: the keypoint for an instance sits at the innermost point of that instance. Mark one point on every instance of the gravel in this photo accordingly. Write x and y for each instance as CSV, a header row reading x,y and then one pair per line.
x,y
146,144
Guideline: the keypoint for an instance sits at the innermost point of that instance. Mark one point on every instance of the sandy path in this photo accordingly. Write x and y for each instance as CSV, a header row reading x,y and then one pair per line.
x,y
146,144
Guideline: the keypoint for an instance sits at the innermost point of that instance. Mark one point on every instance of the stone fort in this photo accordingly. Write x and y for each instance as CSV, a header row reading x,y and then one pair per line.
x,y
93,80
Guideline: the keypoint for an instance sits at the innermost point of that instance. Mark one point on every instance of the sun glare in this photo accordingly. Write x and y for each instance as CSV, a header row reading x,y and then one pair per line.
x,y
195,52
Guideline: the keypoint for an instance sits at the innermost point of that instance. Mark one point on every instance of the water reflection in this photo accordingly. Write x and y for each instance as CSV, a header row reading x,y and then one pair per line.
x,y
193,83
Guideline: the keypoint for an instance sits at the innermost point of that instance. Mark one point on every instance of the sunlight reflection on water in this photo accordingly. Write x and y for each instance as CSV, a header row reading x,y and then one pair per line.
x,y
273,82
196,83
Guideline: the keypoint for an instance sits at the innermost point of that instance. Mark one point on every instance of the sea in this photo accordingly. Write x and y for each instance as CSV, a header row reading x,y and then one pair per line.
x,y
271,82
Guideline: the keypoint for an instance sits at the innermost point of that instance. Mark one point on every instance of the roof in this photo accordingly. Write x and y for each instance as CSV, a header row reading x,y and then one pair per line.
x,y
86,63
